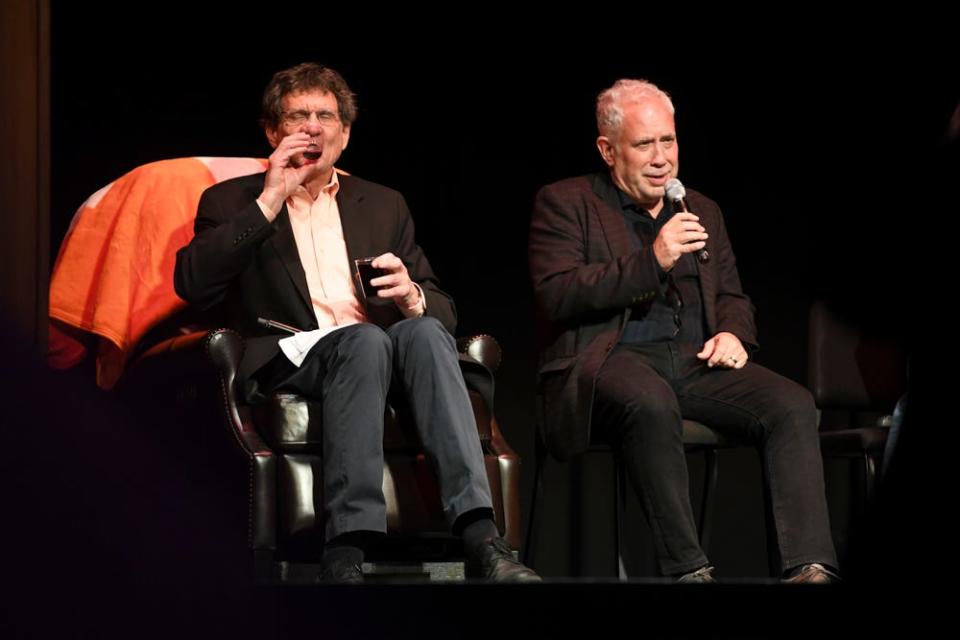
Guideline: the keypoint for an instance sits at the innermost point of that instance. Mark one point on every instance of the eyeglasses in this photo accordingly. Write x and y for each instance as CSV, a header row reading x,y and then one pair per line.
x,y
297,118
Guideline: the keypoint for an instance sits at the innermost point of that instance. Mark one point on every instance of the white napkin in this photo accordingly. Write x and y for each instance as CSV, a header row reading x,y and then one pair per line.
x,y
296,346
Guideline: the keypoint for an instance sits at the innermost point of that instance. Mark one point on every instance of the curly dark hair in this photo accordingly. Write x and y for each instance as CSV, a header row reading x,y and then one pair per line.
x,y
306,77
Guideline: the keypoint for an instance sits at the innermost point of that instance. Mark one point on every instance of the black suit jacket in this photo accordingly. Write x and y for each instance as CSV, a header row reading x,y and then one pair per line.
x,y
251,266
587,276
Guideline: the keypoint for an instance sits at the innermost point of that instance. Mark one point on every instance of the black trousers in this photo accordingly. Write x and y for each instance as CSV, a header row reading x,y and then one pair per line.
x,y
643,392
351,371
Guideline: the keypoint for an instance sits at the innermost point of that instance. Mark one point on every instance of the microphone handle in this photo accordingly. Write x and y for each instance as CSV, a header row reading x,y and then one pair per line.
x,y
681,205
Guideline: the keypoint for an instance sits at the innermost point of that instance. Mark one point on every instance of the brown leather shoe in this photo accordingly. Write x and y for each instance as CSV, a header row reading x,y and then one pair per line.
x,y
703,575
814,573
494,561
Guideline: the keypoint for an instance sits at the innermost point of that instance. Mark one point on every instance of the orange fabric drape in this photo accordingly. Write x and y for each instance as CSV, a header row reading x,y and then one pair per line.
x,y
113,277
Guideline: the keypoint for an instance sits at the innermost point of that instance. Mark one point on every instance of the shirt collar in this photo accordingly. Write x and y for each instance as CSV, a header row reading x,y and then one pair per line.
x,y
330,189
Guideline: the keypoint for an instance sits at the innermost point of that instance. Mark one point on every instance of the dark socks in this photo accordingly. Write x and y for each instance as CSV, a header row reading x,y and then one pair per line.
x,y
478,533
347,548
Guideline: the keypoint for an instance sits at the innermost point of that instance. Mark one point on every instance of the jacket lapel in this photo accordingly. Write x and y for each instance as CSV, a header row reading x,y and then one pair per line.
x,y
613,225
356,235
611,219
285,245
706,271
363,233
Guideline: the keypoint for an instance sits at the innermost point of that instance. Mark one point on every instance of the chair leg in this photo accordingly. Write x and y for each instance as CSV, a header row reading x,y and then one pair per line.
x,y
265,570
869,476
619,510
536,505
709,498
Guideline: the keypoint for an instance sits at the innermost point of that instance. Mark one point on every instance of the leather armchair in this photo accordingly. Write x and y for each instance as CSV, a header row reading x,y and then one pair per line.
x,y
278,442
111,289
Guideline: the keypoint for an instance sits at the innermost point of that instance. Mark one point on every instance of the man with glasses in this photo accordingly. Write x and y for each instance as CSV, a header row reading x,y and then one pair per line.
x,y
277,249
644,327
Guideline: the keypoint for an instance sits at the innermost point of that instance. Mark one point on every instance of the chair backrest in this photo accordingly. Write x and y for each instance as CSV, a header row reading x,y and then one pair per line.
x,y
851,369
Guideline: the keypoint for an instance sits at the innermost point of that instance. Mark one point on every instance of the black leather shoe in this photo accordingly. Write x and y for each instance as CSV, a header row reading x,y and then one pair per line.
x,y
341,573
494,561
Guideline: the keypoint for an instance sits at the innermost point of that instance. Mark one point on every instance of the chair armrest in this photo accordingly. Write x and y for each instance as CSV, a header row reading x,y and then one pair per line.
x,y
193,365
509,464
498,444
224,348
192,355
176,356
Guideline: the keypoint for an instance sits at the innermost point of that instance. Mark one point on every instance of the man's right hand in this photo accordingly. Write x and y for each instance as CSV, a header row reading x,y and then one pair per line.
x,y
285,173
681,234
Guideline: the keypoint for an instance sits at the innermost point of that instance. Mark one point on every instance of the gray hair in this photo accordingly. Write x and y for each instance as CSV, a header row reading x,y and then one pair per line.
x,y
610,102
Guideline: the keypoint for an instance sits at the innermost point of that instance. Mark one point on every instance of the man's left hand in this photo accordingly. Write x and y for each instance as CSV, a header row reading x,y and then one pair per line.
x,y
724,350
396,284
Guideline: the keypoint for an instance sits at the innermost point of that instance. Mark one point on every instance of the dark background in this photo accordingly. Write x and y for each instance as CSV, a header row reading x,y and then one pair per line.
x,y
826,150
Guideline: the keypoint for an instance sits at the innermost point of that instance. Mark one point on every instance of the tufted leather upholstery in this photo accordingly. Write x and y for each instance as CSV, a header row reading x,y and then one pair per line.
x,y
281,443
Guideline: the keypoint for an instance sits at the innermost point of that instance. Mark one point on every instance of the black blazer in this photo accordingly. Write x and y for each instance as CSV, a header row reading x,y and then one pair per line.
x,y
251,266
587,276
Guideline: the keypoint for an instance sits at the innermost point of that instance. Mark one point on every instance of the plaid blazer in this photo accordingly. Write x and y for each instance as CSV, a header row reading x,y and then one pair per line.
x,y
587,276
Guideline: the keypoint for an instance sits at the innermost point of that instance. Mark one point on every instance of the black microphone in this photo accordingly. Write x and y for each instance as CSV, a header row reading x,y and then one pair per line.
x,y
677,195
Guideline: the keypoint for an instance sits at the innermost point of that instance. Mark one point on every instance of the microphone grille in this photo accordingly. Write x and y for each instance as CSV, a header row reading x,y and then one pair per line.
x,y
674,190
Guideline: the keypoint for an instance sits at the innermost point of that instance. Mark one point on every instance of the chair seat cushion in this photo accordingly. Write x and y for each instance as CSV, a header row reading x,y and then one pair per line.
x,y
697,435
290,423
853,441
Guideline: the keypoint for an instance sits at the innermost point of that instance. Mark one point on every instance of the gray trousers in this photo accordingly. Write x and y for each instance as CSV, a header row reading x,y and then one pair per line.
x,y
350,371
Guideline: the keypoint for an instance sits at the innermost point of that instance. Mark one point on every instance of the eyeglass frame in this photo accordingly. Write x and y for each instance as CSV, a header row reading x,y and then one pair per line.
x,y
297,118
